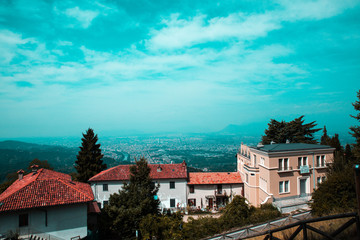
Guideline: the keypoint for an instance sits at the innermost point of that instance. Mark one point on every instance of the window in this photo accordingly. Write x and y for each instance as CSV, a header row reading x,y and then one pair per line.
x,y
254,160
323,160
281,187
302,161
172,202
192,188
105,187
23,220
219,189
284,187
323,179
283,164
318,161
247,177
318,180
262,161
191,202
172,185
105,203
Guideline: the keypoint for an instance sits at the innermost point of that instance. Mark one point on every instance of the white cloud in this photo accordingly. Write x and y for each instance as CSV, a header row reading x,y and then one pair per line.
x,y
180,33
84,17
313,10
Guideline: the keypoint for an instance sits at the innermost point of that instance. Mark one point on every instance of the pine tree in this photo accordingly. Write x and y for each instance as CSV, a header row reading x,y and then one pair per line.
x,y
295,131
89,159
355,130
135,201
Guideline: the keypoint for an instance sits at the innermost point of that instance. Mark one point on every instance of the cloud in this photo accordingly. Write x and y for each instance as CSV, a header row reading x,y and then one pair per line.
x,y
180,33
84,17
177,33
313,10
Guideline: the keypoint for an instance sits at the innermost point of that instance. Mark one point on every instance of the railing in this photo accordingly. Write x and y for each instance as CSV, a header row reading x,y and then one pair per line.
x,y
220,192
292,197
284,169
299,220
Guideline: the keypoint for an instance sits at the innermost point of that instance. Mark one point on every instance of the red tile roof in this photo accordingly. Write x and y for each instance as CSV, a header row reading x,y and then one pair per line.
x,y
122,172
214,178
44,188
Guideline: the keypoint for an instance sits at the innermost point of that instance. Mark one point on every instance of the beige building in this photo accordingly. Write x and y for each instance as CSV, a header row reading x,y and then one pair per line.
x,y
283,174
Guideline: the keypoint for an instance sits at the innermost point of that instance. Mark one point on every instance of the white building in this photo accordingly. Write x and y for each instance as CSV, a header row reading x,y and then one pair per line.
x,y
213,189
45,204
171,177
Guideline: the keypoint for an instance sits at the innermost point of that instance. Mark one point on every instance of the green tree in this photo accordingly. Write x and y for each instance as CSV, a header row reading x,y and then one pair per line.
x,y
355,130
237,213
42,164
325,139
295,131
337,193
89,159
162,227
136,200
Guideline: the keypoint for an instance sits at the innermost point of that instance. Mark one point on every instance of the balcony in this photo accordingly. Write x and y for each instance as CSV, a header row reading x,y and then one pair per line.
x,y
304,169
220,193
285,169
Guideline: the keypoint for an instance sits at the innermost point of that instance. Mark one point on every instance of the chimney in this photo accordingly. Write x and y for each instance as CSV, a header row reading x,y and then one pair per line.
x,y
287,141
20,174
34,168
272,142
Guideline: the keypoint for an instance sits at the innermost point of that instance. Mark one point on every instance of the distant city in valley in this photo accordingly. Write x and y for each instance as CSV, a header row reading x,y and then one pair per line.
x,y
202,152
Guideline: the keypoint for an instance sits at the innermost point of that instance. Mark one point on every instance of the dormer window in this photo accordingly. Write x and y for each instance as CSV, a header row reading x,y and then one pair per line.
x,y
159,169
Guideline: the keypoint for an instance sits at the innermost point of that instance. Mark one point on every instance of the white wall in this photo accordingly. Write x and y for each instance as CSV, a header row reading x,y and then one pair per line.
x,y
64,222
203,190
164,194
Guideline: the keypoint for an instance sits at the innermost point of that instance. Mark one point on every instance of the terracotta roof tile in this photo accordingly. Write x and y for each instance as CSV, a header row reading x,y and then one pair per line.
x,y
44,188
214,178
122,172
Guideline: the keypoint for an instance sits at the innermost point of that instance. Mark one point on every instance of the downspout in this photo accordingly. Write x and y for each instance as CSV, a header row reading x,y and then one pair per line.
x,y
314,171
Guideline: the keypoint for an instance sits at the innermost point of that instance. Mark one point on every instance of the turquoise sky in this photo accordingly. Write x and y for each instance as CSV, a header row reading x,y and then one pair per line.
x,y
175,66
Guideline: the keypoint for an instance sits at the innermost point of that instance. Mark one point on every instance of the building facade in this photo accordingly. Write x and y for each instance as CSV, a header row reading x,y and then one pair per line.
x,y
172,179
283,174
45,204
213,190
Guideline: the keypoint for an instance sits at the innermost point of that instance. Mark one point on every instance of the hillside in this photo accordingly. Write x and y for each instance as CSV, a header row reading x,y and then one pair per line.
x,y
15,155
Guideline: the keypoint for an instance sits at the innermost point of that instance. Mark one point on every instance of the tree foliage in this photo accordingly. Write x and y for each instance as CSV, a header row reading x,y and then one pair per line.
x,y
337,193
135,201
295,131
355,130
42,164
89,159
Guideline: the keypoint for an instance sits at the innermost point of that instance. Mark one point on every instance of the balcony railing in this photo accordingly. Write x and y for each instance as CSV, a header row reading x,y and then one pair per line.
x,y
220,192
284,169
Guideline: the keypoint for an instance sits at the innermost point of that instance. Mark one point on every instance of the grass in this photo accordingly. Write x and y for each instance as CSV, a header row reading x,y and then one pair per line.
x,y
328,226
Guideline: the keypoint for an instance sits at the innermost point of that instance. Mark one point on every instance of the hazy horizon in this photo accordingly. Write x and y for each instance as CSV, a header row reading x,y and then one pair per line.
x,y
151,67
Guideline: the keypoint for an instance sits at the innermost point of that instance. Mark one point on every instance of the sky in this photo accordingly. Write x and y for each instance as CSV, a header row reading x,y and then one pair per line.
x,y
175,66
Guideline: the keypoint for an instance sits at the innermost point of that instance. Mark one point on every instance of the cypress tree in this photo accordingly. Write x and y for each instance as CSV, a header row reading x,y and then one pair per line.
x,y
89,159
325,139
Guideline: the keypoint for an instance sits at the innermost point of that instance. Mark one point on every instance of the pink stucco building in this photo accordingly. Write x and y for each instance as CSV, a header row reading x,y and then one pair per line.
x,y
283,174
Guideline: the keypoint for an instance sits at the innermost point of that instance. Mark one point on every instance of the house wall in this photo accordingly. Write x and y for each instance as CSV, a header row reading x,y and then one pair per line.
x,y
203,190
164,193
63,222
